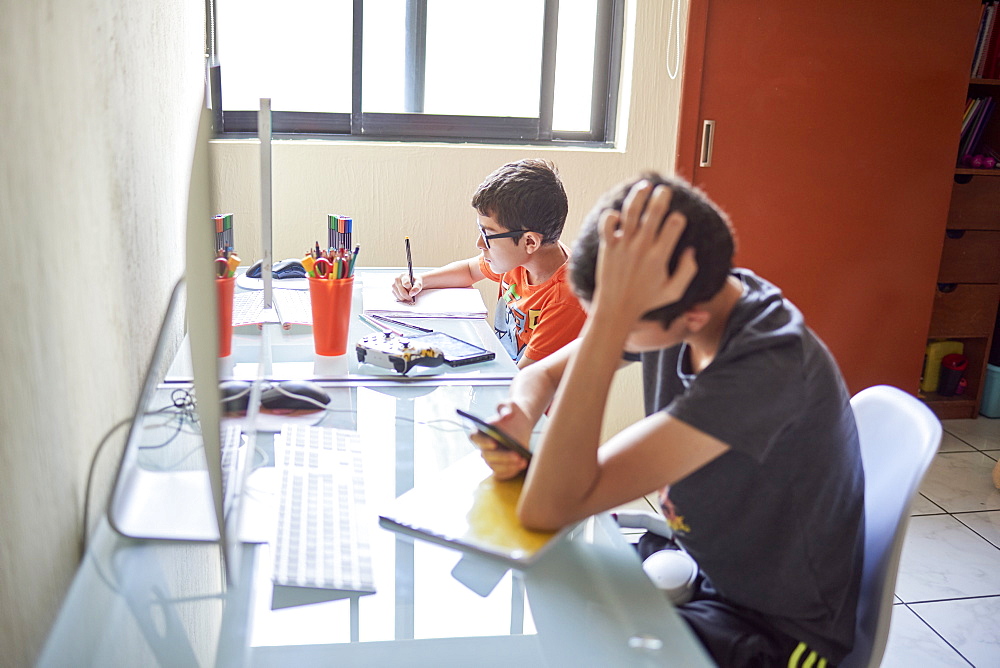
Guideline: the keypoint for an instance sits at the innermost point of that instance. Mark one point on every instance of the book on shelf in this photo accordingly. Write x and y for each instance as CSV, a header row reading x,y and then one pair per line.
x,y
970,112
972,131
977,54
984,40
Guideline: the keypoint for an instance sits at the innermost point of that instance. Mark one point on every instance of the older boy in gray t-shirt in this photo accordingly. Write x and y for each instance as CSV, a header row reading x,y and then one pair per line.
x,y
749,433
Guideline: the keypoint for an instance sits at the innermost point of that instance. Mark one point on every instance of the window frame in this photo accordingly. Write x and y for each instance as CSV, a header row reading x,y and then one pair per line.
x,y
417,126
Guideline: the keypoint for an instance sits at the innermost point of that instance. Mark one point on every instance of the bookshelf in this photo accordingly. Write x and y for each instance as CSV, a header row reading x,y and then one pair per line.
x,y
967,294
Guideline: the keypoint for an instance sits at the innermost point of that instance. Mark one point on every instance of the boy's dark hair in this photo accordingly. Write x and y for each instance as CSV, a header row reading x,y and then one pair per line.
x,y
525,195
708,230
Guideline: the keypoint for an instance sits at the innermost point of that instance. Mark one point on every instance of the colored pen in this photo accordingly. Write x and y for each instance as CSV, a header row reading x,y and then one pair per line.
x,y
409,260
354,258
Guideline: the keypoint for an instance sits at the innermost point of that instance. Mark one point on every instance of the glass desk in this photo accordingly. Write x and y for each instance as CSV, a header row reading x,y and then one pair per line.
x,y
159,602
289,354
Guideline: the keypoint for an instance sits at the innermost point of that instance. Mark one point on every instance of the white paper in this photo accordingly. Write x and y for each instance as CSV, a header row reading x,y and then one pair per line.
x,y
436,303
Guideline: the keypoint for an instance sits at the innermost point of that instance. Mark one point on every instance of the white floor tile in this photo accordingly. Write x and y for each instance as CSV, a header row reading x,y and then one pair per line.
x,y
986,525
951,443
942,559
961,482
982,433
912,643
971,626
924,506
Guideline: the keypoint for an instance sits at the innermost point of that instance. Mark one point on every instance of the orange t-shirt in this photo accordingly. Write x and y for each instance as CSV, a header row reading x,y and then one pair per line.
x,y
535,320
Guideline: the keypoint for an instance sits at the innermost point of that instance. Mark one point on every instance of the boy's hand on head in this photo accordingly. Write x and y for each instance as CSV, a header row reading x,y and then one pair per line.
x,y
632,260
403,291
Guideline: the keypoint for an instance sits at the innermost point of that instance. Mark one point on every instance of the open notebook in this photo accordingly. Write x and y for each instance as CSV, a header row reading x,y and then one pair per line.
x,y
437,303
466,508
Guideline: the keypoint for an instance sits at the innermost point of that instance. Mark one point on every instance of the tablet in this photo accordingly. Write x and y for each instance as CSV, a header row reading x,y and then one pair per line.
x,y
456,351
504,440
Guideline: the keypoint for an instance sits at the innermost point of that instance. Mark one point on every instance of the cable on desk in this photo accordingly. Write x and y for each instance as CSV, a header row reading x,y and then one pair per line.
x,y
184,403
85,537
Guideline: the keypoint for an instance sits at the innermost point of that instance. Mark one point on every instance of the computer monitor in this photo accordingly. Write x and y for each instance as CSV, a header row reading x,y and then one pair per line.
x,y
187,504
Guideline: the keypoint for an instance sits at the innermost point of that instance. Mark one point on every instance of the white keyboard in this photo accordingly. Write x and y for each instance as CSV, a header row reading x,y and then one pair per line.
x,y
290,306
248,308
322,534
293,307
230,444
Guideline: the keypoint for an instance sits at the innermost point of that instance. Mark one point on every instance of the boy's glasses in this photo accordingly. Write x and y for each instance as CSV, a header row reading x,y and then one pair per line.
x,y
502,235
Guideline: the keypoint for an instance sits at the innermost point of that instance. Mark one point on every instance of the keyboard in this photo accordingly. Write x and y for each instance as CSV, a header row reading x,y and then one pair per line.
x,y
290,306
293,306
248,308
232,435
322,540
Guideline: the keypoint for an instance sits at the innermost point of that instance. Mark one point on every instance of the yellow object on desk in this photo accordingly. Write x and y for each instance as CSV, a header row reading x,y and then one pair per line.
x,y
936,350
466,508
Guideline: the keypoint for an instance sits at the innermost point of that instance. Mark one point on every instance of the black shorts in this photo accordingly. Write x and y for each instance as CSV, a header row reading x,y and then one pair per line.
x,y
734,636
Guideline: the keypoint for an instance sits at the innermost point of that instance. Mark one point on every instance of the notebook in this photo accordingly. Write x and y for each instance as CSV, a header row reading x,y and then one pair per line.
x,y
437,303
466,508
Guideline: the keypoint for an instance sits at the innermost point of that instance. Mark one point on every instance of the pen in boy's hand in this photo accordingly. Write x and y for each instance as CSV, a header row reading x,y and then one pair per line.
x,y
409,261
409,265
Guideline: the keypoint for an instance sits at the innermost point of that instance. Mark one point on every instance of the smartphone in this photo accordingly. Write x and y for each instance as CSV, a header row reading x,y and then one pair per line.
x,y
504,440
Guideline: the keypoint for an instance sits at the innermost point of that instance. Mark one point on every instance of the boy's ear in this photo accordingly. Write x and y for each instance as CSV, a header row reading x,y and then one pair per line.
x,y
695,318
532,241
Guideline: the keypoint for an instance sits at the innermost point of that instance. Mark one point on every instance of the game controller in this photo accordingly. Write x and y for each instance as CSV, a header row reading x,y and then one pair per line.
x,y
391,351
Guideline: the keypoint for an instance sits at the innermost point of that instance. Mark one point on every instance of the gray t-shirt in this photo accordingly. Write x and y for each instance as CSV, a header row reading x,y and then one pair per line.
x,y
776,523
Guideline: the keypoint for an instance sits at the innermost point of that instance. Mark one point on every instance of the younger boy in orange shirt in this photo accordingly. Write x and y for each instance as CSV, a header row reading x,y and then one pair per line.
x,y
521,209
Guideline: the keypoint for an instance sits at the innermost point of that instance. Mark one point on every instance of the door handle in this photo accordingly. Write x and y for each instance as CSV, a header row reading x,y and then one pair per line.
x,y
707,139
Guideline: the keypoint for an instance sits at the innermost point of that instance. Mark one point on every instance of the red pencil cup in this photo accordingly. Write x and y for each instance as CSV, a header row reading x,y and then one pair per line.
x,y
224,290
331,311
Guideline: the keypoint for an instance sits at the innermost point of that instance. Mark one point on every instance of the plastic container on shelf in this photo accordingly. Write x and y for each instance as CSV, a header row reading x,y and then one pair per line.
x,y
952,369
990,405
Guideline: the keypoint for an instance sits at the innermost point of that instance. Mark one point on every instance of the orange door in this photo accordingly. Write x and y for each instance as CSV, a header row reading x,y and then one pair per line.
x,y
836,129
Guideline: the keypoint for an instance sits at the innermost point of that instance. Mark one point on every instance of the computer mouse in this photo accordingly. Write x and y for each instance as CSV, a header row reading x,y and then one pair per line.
x,y
295,395
290,268
235,395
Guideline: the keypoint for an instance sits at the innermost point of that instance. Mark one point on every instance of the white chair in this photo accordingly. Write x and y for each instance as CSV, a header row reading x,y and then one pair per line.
x,y
899,437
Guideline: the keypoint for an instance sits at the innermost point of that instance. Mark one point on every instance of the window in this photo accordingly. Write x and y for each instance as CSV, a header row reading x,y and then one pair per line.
x,y
517,71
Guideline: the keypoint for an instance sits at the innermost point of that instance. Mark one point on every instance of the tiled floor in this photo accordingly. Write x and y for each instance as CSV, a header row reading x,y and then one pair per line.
x,y
948,589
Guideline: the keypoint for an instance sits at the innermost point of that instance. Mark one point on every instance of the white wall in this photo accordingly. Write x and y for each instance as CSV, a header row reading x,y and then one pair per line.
x,y
423,190
98,110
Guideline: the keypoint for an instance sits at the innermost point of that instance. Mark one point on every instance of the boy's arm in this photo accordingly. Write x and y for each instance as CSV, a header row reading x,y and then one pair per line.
x,y
530,394
458,274
569,479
